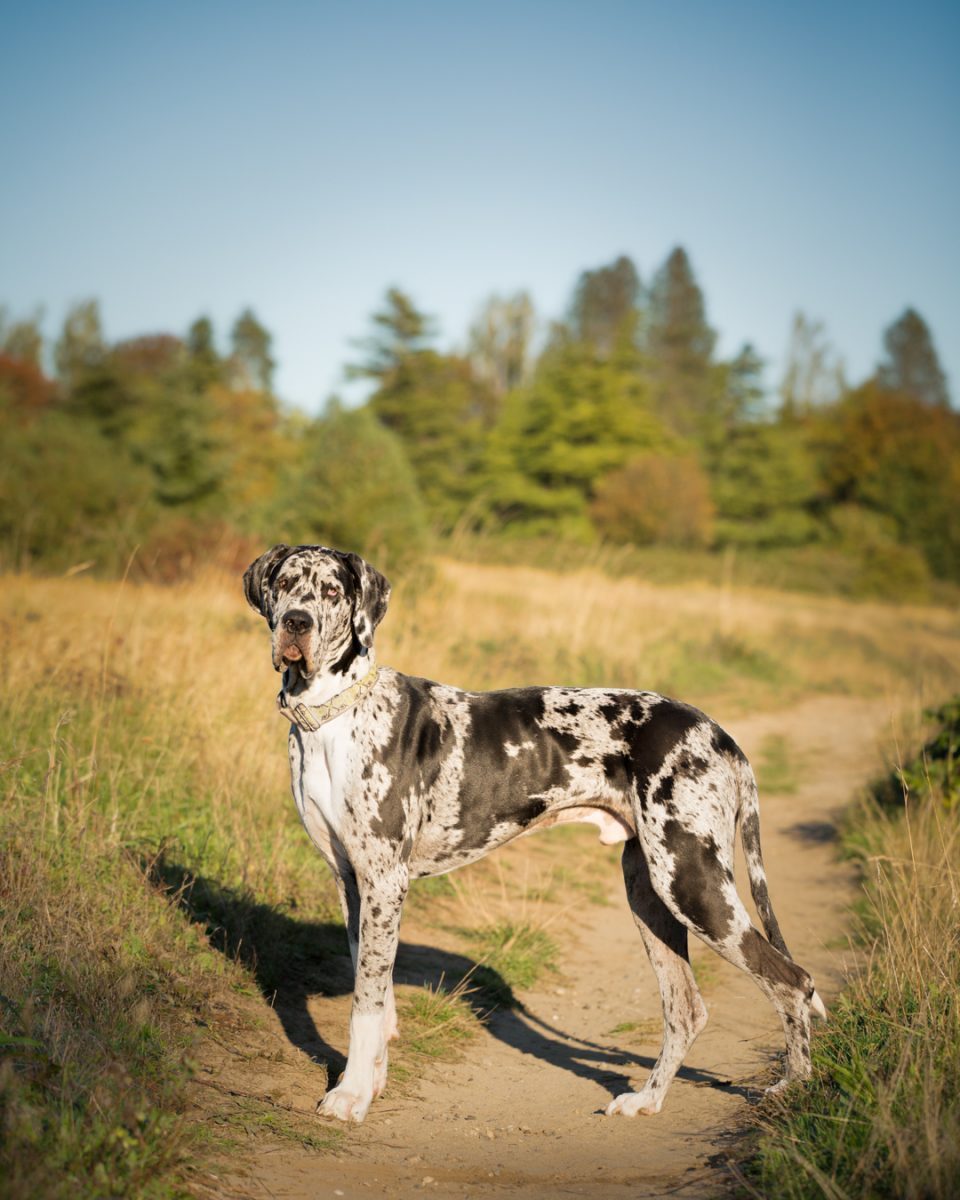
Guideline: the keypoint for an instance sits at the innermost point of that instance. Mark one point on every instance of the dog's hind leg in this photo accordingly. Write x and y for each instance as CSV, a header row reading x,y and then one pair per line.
x,y
691,870
684,1013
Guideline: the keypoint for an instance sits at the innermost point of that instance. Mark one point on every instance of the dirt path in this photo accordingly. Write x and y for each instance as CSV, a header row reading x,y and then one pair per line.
x,y
520,1115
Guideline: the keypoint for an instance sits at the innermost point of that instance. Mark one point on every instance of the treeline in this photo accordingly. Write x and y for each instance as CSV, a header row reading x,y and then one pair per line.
x,y
620,422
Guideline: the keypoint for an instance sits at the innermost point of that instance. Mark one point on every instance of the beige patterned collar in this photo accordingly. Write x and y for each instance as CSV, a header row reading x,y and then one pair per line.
x,y
309,717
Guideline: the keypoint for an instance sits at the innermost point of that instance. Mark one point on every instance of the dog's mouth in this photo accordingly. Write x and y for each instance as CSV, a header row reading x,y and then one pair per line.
x,y
292,654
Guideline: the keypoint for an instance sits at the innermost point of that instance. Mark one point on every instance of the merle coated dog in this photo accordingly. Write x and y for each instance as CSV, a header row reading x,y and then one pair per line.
x,y
397,778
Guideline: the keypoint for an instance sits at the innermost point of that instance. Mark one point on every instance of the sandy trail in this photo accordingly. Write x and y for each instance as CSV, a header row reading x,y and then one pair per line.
x,y
521,1114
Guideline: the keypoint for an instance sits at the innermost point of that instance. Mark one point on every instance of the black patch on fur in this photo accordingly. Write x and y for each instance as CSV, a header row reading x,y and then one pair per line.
x,y
697,878
499,787
653,737
762,959
724,744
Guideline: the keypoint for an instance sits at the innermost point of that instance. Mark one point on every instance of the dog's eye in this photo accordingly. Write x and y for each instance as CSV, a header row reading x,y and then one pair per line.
x,y
332,593
283,585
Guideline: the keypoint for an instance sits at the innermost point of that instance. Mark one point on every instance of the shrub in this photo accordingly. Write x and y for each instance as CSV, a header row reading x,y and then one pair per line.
x,y
655,499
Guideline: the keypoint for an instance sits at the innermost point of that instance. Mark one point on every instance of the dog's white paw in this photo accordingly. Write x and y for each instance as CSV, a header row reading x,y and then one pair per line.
x,y
817,1007
343,1105
776,1088
379,1076
630,1104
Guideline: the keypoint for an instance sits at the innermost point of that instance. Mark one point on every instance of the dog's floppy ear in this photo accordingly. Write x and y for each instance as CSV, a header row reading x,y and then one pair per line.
x,y
256,574
373,595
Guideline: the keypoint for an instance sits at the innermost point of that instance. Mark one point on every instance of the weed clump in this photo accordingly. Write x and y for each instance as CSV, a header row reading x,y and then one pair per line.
x,y
881,1116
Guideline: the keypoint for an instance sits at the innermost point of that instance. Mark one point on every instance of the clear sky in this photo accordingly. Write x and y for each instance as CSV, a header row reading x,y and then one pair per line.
x,y
179,158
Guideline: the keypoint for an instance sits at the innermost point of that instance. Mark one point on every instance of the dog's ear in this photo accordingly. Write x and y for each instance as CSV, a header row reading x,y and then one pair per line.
x,y
373,595
256,575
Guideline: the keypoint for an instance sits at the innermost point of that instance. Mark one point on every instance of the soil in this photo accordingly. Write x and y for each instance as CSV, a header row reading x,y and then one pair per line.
x,y
521,1113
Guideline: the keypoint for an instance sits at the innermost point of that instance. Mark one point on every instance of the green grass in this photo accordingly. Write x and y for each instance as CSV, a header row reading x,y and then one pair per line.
x,y
881,1116
776,766
436,1022
118,937
512,955
254,1117
643,1031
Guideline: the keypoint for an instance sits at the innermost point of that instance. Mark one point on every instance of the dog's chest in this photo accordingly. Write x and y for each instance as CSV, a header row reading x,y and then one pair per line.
x,y
318,777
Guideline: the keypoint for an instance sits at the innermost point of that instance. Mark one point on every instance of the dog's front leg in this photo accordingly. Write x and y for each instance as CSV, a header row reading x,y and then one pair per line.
x,y
366,1073
349,893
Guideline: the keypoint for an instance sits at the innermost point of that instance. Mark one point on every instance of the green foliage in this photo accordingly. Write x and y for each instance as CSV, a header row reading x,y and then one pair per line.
x,y
442,414
399,331
22,340
500,342
764,485
81,345
512,955
935,773
911,366
680,345
580,418
250,361
354,488
881,1116
627,428
899,457
605,310
66,494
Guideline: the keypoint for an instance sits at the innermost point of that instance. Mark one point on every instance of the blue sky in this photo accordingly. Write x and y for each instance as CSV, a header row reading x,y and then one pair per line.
x,y
300,157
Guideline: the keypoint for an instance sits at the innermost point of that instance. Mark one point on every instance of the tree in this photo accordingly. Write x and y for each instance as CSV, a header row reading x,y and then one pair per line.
x,y
348,453
766,488
442,414
206,368
579,418
680,344
22,340
899,456
252,366
499,342
912,366
81,347
814,372
400,329
605,306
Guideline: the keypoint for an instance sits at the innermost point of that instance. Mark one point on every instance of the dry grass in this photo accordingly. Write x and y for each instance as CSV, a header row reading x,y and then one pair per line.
x,y
139,743
882,1115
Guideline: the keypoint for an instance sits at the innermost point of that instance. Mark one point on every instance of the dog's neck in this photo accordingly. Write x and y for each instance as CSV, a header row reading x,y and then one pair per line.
x,y
324,686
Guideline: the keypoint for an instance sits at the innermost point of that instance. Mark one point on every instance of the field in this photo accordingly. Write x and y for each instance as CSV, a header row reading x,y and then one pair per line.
x,y
174,973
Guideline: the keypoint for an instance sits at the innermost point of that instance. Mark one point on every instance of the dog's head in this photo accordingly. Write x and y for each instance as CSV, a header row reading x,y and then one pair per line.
x,y
322,605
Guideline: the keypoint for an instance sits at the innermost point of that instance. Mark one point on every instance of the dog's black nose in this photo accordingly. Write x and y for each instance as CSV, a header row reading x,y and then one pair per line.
x,y
297,621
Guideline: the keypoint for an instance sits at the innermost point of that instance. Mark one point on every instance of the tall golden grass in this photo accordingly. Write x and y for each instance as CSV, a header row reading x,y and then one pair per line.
x,y
137,731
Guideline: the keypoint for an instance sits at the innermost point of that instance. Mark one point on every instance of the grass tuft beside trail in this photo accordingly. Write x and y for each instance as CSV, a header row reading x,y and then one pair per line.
x,y
881,1117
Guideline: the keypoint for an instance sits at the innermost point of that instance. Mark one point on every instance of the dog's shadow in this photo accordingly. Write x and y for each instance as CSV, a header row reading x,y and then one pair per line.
x,y
293,960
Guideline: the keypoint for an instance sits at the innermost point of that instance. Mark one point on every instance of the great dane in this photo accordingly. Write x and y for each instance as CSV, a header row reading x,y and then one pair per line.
x,y
397,778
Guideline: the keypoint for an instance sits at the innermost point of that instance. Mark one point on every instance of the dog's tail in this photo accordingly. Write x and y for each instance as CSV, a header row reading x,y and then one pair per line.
x,y
749,813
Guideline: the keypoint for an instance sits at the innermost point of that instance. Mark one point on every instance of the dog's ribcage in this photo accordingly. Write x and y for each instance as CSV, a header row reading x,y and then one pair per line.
x,y
439,777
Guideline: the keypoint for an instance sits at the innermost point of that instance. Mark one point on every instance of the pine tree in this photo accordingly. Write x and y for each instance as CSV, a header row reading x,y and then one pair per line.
x,y
680,345
912,366
251,361
204,362
81,347
400,329
605,306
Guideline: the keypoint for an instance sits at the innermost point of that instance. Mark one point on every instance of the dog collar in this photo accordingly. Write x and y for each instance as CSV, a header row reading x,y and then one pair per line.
x,y
309,717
